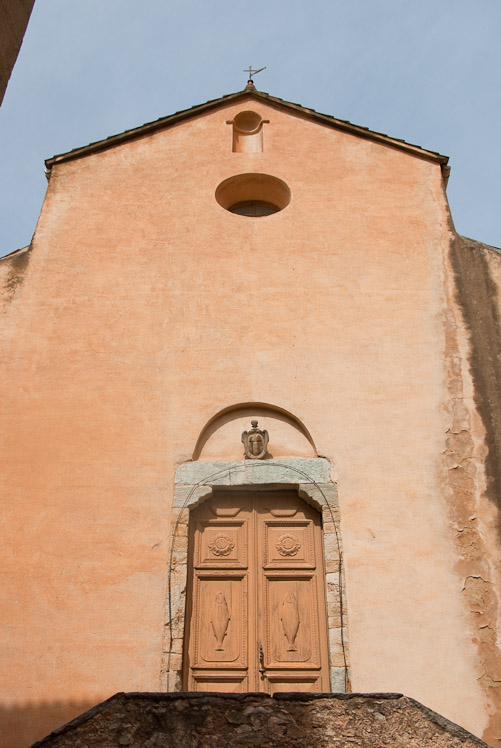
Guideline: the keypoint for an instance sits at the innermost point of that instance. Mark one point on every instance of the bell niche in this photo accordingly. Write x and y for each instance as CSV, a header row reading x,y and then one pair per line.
x,y
247,132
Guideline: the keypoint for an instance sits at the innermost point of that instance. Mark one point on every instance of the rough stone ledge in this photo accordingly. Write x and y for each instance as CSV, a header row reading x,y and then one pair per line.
x,y
201,720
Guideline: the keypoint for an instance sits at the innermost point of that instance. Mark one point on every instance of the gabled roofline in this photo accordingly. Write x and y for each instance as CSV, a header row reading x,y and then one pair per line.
x,y
249,91
10,255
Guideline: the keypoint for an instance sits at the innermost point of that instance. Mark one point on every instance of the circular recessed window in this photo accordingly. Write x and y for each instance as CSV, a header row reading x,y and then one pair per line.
x,y
253,195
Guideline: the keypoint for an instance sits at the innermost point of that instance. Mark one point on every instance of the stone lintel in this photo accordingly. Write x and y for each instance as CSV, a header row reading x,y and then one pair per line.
x,y
254,472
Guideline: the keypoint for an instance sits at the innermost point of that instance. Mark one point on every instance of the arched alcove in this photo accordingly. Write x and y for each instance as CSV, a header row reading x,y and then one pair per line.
x,y
220,439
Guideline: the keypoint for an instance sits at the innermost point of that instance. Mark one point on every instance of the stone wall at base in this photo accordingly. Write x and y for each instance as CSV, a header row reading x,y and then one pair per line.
x,y
187,720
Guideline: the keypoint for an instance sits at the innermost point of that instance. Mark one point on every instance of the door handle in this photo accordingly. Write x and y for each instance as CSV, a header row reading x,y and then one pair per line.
x,y
262,669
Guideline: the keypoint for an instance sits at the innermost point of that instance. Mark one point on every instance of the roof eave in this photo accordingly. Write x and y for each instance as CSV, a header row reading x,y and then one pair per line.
x,y
173,119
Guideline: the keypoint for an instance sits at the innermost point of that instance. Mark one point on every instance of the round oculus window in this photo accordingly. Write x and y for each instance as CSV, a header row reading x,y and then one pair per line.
x,y
253,195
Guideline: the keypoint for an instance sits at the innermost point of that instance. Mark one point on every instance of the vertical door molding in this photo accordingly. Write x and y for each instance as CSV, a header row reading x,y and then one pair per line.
x,y
310,477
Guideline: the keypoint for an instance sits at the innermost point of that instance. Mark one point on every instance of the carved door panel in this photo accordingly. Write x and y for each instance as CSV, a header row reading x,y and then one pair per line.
x,y
256,596
290,593
219,595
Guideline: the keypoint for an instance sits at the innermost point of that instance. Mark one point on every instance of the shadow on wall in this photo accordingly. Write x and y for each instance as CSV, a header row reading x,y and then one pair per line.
x,y
23,724
478,295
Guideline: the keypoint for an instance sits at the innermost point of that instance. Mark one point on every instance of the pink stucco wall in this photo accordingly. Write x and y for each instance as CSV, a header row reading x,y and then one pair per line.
x,y
145,309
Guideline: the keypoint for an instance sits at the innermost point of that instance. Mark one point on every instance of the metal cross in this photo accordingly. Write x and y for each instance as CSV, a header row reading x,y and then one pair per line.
x,y
253,72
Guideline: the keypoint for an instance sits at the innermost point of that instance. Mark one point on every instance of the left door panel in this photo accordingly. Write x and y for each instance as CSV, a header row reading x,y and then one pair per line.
x,y
218,656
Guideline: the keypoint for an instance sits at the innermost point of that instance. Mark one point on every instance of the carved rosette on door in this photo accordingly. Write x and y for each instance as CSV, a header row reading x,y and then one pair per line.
x,y
256,604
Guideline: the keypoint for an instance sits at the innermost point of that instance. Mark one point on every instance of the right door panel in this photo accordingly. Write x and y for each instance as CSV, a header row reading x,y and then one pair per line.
x,y
290,593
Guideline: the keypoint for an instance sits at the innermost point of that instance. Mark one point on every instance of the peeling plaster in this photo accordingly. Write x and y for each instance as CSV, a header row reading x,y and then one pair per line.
x,y
468,448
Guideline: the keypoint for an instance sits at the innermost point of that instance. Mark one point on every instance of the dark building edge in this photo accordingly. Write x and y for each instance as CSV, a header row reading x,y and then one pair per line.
x,y
14,17
477,295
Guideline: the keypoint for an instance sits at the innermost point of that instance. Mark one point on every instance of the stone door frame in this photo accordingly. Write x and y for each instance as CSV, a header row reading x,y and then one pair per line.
x,y
194,482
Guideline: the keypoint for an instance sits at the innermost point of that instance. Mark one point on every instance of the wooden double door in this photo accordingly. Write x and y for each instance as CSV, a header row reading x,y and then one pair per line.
x,y
256,617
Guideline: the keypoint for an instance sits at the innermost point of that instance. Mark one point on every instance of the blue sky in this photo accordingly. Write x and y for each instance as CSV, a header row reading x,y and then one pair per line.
x,y
422,70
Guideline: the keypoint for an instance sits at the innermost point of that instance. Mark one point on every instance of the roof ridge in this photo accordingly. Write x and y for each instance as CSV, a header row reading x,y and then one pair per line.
x,y
183,114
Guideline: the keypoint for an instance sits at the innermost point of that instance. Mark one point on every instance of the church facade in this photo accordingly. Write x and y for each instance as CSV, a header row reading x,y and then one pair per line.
x,y
251,423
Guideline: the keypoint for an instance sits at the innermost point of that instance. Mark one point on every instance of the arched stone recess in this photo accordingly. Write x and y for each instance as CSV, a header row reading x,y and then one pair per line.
x,y
220,437
310,476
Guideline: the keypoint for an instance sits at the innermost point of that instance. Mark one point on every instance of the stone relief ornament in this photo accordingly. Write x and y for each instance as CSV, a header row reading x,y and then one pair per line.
x,y
220,620
255,442
221,545
289,616
288,544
